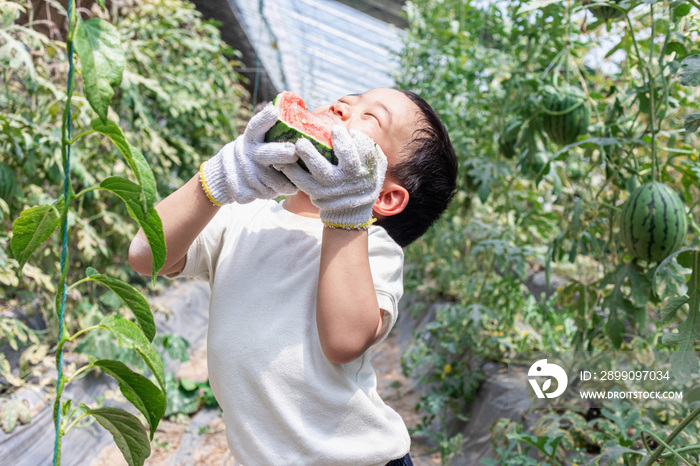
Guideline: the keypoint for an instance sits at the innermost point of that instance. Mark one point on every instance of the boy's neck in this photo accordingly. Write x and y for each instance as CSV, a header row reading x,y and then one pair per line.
x,y
300,204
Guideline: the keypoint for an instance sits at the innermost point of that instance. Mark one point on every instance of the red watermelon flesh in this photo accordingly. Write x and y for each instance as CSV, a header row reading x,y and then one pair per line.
x,y
296,121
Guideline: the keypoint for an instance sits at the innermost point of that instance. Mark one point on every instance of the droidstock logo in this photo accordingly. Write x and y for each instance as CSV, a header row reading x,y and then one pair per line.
x,y
542,368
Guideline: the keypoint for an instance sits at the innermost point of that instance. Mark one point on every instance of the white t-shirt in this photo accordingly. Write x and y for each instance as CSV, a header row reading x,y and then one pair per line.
x,y
283,402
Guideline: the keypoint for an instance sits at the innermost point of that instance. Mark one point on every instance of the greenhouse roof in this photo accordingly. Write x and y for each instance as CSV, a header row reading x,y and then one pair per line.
x,y
320,49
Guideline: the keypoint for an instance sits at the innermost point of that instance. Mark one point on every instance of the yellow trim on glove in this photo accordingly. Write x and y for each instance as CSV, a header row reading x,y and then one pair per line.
x,y
203,182
343,226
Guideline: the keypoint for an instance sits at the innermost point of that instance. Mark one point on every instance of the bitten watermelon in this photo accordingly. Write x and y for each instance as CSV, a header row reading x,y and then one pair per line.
x,y
653,222
295,121
565,113
8,183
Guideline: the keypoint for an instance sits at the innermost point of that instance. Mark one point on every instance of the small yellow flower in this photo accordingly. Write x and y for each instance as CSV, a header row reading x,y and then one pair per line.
x,y
559,327
447,369
526,333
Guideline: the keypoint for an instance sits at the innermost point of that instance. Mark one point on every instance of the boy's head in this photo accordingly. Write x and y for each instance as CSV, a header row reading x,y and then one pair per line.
x,y
422,166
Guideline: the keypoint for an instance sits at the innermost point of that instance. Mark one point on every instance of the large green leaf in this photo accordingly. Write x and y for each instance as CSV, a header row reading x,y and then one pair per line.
x,y
690,71
128,432
140,391
130,336
133,157
32,228
132,298
98,45
150,222
688,331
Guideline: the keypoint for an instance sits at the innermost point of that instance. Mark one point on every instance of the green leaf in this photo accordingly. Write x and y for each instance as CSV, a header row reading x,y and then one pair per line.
x,y
174,345
640,285
132,298
133,157
32,228
130,336
180,400
127,431
692,122
150,222
690,71
140,391
12,411
670,309
689,330
98,45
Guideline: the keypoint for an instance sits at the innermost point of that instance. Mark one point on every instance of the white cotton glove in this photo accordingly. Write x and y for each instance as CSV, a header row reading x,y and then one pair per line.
x,y
344,193
242,171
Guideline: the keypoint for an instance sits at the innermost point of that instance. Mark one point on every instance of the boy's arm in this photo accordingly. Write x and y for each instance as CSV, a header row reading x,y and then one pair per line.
x,y
184,214
347,310
348,316
241,172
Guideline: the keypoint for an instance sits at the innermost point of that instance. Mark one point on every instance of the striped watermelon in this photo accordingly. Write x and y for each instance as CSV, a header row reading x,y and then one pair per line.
x,y
565,113
295,121
603,11
8,183
653,222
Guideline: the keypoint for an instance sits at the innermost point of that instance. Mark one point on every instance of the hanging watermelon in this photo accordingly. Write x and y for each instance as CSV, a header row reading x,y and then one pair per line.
x,y
565,113
653,222
604,10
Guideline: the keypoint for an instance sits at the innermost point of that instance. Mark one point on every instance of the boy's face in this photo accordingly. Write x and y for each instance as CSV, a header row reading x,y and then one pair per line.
x,y
385,115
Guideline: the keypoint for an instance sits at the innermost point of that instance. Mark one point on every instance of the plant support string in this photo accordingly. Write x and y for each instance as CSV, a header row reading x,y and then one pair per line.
x,y
65,144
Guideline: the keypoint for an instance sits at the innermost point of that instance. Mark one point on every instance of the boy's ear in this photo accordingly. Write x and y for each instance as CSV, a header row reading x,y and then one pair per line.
x,y
392,199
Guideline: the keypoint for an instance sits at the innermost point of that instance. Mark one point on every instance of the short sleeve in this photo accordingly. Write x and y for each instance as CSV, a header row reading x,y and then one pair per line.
x,y
386,264
204,252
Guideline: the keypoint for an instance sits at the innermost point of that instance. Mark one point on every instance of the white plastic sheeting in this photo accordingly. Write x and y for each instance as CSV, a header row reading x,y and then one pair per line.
x,y
320,49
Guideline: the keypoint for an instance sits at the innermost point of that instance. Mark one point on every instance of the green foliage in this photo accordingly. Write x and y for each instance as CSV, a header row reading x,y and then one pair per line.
x,y
126,431
98,45
179,103
175,106
554,207
187,396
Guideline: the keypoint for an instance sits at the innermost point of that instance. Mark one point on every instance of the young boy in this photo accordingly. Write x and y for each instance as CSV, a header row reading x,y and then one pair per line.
x,y
302,288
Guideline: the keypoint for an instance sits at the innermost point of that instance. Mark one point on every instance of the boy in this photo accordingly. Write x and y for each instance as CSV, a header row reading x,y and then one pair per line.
x,y
301,289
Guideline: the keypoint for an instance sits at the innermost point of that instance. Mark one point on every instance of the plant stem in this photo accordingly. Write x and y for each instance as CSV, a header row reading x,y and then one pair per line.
x,y
652,88
663,445
80,332
682,450
609,206
66,133
70,426
79,282
78,372
87,190
83,134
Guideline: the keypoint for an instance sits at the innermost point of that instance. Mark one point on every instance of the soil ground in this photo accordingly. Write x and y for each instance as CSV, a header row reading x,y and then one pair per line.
x,y
192,443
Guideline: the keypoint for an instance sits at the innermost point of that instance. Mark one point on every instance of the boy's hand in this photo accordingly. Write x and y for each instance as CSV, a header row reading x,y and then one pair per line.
x,y
242,171
344,193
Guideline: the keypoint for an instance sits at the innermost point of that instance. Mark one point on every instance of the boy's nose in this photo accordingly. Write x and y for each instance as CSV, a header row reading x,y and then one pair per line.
x,y
341,110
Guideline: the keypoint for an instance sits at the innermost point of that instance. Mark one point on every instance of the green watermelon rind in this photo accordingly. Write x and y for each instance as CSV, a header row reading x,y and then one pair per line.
x,y
565,114
653,223
282,132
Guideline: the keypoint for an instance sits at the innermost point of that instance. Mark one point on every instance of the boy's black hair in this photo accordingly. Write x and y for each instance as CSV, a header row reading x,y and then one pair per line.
x,y
429,174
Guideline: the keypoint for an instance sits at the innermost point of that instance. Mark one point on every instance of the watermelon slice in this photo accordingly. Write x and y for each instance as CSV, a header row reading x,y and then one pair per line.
x,y
295,121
